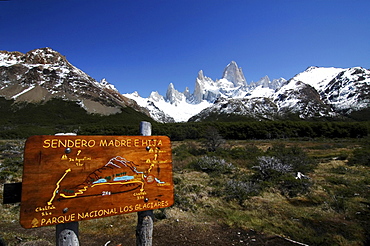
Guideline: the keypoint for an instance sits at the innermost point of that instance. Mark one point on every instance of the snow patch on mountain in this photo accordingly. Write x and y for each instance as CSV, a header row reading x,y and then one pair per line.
x,y
167,109
181,106
22,92
317,77
314,93
43,74
349,90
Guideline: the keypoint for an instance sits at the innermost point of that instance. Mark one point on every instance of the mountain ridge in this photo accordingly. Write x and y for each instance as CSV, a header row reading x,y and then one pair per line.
x,y
42,74
318,92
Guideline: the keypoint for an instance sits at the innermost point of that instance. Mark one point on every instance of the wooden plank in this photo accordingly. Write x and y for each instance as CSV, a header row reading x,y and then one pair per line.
x,y
144,228
73,178
145,219
12,193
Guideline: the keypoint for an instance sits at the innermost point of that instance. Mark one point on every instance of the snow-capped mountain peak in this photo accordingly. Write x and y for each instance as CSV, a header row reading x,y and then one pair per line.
x,y
173,96
43,74
234,74
315,92
317,77
155,96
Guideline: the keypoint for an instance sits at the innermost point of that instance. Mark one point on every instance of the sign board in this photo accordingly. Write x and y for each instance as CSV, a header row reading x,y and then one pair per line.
x,y
74,178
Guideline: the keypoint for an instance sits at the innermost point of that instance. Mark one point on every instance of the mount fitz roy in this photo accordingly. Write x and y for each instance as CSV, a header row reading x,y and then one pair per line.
x,y
318,92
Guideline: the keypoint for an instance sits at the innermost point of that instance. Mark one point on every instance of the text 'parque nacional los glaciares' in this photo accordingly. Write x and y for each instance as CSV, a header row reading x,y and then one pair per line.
x,y
87,177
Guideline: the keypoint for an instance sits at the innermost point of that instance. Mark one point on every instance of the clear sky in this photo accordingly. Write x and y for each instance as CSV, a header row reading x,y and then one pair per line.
x,y
143,45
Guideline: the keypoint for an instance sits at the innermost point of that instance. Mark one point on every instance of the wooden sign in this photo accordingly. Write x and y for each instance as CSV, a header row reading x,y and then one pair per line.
x,y
74,178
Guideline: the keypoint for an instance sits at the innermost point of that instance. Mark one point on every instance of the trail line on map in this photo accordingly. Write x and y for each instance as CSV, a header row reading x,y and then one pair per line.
x,y
82,190
57,186
83,196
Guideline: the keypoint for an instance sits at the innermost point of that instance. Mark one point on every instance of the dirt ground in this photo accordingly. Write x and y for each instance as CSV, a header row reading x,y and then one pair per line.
x,y
164,234
180,234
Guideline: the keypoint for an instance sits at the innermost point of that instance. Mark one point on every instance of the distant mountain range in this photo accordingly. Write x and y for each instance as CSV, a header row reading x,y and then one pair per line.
x,y
316,93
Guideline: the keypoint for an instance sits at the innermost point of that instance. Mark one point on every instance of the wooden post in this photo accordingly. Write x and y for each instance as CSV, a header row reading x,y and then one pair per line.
x,y
144,229
145,128
67,233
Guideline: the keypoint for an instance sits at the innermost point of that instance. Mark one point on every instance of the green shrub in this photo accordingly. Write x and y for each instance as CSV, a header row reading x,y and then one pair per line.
x,y
339,170
342,156
337,180
292,187
240,190
186,150
247,154
293,156
361,156
270,168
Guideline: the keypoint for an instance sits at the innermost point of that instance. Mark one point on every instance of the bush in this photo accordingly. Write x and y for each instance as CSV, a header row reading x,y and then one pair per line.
x,y
212,164
292,187
246,154
360,156
213,140
186,150
240,190
272,172
293,156
270,168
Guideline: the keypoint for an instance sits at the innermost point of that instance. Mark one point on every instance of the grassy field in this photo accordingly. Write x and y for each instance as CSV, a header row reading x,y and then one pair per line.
x,y
244,192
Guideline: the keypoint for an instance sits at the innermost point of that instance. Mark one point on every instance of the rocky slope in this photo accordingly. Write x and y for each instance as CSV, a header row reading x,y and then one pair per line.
x,y
43,74
317,92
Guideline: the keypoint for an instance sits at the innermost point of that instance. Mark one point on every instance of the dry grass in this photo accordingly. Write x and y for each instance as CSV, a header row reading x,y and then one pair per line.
x,y
336,211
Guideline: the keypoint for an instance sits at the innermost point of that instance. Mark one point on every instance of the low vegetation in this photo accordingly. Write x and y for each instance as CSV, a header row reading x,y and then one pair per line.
x,y
315,192
26,119
286,188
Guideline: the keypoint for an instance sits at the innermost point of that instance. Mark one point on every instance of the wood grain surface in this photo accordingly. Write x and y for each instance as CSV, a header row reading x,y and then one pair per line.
x,y
73,178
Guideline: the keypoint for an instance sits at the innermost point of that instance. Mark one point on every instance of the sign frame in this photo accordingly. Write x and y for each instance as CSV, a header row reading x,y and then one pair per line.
x,y
74,178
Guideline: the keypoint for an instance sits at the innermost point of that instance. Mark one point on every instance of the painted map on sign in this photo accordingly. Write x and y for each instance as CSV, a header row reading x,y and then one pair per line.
x,y
86,177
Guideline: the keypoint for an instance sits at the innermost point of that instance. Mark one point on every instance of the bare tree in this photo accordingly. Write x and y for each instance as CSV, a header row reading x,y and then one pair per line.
x,y
213,139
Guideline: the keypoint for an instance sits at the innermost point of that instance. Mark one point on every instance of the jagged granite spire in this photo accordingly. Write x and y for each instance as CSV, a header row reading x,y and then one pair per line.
x,y
199,87
205,89
234,74
172,95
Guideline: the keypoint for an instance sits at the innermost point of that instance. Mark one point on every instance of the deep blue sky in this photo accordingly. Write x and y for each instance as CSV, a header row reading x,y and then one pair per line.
x,y
144,45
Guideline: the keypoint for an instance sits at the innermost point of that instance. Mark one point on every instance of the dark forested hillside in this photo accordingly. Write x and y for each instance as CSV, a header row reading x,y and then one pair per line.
x,y
21,120
266,129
